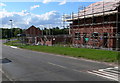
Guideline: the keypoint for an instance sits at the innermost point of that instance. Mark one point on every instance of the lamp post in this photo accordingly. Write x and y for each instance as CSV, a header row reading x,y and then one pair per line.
x,y
11,27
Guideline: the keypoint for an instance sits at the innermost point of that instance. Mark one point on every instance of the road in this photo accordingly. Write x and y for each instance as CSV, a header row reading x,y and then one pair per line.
x,y
29,65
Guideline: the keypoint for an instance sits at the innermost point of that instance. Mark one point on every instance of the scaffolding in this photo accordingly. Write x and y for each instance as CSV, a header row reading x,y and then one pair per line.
x,y
105,10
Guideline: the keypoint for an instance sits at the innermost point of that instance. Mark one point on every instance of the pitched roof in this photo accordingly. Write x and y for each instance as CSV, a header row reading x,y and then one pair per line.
x,y
99,7
106,6
32,27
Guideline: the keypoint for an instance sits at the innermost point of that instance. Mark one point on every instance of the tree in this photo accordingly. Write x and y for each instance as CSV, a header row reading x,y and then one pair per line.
x,y
8,33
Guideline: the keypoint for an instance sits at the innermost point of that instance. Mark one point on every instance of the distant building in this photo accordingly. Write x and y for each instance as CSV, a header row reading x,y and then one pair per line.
x,y
96,26
32,35
50,40
33,32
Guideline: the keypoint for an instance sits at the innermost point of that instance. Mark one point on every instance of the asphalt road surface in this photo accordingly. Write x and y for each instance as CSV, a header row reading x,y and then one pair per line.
x,y
26,65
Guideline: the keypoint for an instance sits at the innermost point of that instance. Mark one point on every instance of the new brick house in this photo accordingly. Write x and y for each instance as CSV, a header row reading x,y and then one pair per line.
x,y
33,35
96,26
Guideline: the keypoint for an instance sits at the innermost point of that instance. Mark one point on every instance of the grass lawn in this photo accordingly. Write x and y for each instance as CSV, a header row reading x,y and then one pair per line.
x,y
93,54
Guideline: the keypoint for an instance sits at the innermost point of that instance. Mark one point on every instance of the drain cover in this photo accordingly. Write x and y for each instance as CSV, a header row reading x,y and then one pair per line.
x,y
5,60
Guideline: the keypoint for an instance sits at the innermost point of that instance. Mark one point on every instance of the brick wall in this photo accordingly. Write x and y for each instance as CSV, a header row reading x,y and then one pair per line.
x,y
101,29
98,41
51,40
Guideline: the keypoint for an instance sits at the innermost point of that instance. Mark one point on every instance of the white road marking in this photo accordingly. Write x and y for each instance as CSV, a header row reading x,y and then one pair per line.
x,y
107,73
13,47
57,65
110,68
116,67
103,76
63,67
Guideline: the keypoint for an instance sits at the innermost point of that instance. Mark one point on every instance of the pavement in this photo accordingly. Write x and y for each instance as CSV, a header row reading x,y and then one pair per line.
x,y
26,65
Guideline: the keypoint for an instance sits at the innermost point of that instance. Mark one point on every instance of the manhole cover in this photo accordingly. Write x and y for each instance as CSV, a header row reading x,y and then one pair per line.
x,y
5,60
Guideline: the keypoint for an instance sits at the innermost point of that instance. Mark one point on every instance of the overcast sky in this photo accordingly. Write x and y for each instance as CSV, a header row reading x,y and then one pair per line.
x,y
39,13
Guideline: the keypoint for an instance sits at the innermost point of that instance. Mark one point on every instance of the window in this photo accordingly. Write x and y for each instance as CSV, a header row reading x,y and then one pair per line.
x,y
106,18
77,35
85,38
94,20
95,35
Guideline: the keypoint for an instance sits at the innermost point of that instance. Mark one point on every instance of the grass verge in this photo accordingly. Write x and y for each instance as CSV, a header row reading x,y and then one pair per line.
x,y
93,54
15,43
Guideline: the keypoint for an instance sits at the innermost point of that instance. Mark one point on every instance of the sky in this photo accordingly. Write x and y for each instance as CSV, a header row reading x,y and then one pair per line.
x,y
46,13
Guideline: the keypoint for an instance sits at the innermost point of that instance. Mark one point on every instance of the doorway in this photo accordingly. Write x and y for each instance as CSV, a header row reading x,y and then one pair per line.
x,y
105,40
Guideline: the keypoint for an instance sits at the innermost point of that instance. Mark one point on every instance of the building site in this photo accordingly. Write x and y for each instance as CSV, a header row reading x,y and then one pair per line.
x,y
96,26
65,40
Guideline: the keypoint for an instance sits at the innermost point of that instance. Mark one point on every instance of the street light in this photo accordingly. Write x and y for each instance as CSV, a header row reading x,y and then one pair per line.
x,y
11,23
11,27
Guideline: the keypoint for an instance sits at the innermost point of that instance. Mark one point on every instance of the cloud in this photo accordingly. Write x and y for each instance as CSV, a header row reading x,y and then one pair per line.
x,y
24,19
2,4
35,6
63,2
47,1
52,17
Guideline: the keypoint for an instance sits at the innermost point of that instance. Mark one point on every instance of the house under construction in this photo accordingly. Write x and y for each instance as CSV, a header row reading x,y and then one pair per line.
x,y
96,26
